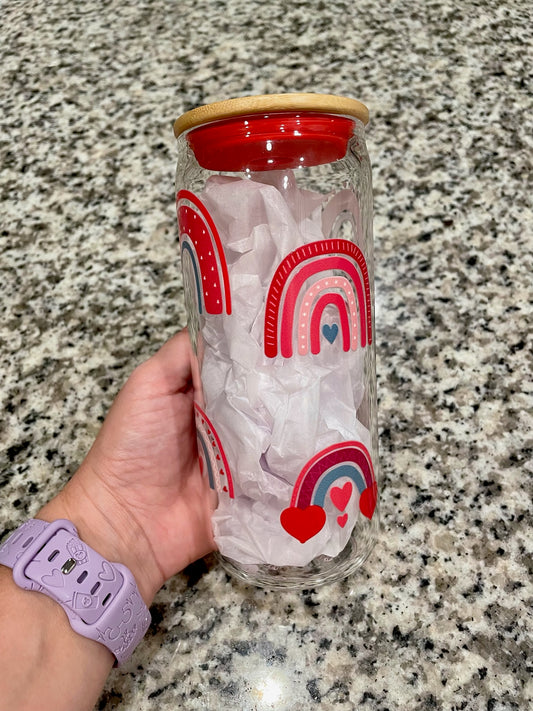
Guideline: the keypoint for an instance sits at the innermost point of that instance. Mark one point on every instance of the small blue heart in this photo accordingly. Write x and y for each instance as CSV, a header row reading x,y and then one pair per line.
x,y
330,332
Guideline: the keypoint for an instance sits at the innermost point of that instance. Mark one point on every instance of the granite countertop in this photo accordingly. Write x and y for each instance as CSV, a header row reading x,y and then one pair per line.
x,y
440,615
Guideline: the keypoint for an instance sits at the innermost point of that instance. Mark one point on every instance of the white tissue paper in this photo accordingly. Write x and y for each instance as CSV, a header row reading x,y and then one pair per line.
x,y
273,415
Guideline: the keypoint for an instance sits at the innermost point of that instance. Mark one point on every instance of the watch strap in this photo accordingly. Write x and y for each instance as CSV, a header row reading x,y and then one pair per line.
x,y
100,598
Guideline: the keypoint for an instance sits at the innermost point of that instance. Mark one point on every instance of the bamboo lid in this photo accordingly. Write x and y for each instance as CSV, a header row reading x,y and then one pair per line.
x,y
266,103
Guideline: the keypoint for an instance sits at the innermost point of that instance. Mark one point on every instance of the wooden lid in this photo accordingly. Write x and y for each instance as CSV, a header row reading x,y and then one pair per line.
x,y
266,103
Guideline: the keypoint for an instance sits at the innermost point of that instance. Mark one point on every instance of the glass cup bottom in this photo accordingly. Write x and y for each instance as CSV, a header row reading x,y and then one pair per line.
x,y
323,570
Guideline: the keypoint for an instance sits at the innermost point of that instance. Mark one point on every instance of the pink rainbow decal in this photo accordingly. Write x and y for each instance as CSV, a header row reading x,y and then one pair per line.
x,y
213,460
200,239
306,309
350,459
308,270
338,301
290,277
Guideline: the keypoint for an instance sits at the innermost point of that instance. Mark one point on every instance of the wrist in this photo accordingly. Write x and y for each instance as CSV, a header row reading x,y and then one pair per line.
x,y
106,525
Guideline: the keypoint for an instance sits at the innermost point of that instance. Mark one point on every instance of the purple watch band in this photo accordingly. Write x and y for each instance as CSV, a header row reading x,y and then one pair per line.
x,y
101,599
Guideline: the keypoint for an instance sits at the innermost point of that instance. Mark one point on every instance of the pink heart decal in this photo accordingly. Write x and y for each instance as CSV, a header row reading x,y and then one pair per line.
x,y
55,580
341,520
368,500
303,524
341,496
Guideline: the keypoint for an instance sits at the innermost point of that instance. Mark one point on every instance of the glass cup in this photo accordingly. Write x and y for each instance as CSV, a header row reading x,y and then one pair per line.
x,y
274,206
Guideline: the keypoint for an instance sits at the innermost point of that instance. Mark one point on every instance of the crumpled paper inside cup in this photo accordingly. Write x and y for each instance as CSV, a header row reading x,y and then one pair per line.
x,y
272,415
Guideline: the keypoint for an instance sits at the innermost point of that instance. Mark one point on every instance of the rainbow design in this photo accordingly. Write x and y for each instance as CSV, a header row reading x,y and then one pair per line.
x,y
342,283
202,250
347,326
212,457
349,461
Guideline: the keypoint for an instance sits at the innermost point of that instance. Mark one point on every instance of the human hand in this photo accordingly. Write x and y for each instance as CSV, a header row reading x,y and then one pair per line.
x,y
138,497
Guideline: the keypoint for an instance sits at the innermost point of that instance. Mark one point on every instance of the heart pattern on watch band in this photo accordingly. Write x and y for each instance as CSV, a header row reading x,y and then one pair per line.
x,y
100,598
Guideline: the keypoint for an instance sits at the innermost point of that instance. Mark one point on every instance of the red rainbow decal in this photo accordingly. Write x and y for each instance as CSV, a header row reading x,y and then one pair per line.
x,y
211,455
345,273
324,469
338,301
348,461
199,239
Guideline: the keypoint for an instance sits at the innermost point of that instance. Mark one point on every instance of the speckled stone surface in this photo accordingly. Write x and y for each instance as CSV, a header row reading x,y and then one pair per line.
x,y
440,615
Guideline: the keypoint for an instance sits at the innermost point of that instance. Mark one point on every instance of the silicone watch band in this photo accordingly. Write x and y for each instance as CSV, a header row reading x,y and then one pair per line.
x,y
101,599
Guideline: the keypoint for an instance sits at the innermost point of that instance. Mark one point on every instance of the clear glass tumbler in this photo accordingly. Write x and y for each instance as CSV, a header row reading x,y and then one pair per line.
x,y
274,206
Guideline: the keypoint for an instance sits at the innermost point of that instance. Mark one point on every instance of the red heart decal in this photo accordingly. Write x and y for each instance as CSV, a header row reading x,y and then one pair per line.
x,y
341,496
224,488
368,500
341,520
303,524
